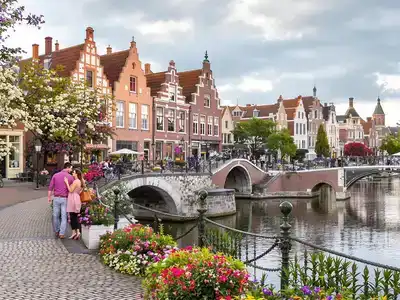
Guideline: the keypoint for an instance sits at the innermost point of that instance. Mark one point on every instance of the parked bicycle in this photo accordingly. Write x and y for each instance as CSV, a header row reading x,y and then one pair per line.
x,y
1,181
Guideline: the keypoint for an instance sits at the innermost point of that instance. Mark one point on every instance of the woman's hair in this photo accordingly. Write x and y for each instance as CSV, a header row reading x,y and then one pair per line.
x,y
79,175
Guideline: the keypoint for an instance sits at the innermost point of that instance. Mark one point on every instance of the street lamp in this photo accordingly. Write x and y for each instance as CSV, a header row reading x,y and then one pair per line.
x,y
182,144
82,131
38,148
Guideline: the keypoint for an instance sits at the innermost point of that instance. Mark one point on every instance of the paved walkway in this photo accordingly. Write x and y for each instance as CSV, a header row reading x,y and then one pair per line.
x,y
35,265
16,192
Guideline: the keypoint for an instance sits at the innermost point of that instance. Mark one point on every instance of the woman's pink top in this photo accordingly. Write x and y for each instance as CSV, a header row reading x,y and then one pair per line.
x,y
74,198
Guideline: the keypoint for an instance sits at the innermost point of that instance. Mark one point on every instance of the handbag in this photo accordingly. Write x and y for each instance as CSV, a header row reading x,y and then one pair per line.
x,y
86,196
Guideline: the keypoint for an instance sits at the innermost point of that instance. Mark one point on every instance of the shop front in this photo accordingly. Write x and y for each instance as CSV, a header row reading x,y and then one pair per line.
x,y
170,150
13,164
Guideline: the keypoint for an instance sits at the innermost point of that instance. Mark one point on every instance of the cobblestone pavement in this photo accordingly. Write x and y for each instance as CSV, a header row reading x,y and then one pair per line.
x,y
35,265
16,192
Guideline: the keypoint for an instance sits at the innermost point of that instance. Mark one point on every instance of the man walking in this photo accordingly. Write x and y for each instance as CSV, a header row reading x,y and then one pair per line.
x,y
58,186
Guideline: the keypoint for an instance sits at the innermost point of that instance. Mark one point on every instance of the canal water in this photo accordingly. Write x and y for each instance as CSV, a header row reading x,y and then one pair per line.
x,y
366,226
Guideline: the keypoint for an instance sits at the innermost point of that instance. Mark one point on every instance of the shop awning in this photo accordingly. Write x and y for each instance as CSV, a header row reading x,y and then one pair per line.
x,y
96,147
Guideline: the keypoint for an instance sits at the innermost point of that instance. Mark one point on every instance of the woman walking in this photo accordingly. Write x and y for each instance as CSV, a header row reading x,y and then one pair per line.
x,y
74,202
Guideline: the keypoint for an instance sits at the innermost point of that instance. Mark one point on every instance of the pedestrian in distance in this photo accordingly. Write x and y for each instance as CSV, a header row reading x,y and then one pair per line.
x,y
59,190
74,201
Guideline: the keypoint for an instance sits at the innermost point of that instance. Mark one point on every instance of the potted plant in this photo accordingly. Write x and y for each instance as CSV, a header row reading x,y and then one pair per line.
x,y
96,220
43,177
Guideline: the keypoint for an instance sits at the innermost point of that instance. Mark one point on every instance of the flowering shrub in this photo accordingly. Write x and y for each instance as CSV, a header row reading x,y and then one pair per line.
x,y
93,172
132,249
95,214
194,273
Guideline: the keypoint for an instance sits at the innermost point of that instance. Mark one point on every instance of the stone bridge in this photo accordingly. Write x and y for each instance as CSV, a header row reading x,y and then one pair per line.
x,y
307,182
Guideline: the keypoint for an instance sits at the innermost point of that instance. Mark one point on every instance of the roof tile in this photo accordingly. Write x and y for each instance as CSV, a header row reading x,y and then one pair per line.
x,y
154,81
113,64
188,81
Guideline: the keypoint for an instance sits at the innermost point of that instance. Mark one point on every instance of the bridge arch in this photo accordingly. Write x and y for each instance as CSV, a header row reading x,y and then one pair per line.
x,y
361,176
154,197
239,179
326,200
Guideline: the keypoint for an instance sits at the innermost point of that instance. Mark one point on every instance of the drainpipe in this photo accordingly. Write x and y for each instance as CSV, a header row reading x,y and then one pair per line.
x,y
190,131
153,142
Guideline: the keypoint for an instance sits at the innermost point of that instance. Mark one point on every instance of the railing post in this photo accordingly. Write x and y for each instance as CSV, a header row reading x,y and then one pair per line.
x,y
202,210
156,224
142,166
210,166
116,203
285,245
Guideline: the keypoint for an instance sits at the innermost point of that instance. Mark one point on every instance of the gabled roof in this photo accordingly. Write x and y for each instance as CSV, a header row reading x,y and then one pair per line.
x,y
154,81
188,81
290,113
264,110
378,108
367,125
340,118
351,111
113,64
66,57
307,102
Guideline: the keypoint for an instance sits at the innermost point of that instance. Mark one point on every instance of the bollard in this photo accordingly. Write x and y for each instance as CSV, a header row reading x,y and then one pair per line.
x,y
285,245
116,203
202,210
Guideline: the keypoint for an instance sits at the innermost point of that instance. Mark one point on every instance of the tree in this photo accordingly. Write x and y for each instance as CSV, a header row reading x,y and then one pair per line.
x,y
254,132
322,143
57,105
390,144
12,15
282,141
356,149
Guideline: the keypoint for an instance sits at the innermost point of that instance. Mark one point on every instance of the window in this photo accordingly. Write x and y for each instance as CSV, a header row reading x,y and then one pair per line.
x,y
303,144
237,113
297,128
202,125
226,124
13,161
120,114
182,121
195,124
132,115
304,128
209,125
172,93
207,101
216,126
145,117
315,114
132,84
89,78
298,115
302,115
229,138
160,118
171,120
159,150
256,113
127,145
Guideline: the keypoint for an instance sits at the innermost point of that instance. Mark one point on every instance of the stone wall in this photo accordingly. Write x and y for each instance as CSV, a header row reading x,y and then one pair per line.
x,y
220,202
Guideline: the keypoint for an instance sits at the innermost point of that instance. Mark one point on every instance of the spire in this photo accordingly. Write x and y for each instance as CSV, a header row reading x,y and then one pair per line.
x,y
315,91
206,57
378,108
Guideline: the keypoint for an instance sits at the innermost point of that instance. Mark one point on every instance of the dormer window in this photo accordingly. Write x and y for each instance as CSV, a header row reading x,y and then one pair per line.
x,y
89,78
256,113
207,101
172,93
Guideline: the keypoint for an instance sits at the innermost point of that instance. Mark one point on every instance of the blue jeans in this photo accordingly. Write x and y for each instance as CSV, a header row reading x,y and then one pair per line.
x,y
60,210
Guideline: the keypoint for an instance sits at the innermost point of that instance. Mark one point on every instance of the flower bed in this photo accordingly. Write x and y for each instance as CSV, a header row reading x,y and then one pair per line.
x,y
194,273
132,249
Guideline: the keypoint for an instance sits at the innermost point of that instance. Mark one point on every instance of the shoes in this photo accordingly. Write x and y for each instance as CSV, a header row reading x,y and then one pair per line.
x,y
57,234
72,236
77,237
61,236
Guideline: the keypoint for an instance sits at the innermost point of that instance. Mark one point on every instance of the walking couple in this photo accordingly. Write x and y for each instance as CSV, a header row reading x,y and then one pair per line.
x,y
67,189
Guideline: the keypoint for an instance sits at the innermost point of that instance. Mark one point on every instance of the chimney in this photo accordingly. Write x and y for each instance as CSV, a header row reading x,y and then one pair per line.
x,y
109,50
89,33
48,45
133,43
325,104
351,101
35,52
147,69
172,63
280,99
57,45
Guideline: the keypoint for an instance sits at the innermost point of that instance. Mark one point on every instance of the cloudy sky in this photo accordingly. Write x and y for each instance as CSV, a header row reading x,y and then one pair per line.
x,y
258,49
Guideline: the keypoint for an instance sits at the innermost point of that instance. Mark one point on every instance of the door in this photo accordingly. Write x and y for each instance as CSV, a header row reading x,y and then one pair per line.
x,y
3,167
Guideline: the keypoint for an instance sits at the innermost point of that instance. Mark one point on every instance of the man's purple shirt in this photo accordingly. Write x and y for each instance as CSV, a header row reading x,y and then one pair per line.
x,y
58,185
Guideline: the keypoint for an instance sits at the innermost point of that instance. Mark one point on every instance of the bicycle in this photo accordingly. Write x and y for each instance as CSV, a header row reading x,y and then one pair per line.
x,y
1,181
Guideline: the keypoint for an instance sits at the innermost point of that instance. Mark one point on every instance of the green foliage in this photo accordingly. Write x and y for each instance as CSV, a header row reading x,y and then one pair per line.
x,y
227,242
333,273
283,141
254,132
12,15
390,144
95,214
322,143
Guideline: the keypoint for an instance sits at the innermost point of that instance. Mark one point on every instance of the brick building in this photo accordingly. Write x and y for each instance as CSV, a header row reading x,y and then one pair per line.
x,y
170,113
132,119
14,163
199,89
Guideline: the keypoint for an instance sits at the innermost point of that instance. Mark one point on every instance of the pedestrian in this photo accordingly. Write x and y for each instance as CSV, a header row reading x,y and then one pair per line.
x,y
74,201
60,190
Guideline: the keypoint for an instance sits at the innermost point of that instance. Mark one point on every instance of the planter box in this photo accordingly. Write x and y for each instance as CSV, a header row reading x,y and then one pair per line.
x,y
91,235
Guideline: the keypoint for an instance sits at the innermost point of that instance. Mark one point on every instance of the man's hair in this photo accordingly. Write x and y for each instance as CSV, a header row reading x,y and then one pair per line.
x,y
67,165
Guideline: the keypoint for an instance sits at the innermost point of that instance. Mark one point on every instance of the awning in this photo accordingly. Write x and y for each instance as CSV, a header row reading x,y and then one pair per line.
x,y
96,147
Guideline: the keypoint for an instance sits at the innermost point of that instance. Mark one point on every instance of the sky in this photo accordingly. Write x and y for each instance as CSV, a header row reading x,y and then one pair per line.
x,y
258,49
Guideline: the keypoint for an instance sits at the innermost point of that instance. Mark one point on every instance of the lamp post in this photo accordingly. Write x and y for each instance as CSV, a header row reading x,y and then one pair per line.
x,y
82,131
182,145
38,149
